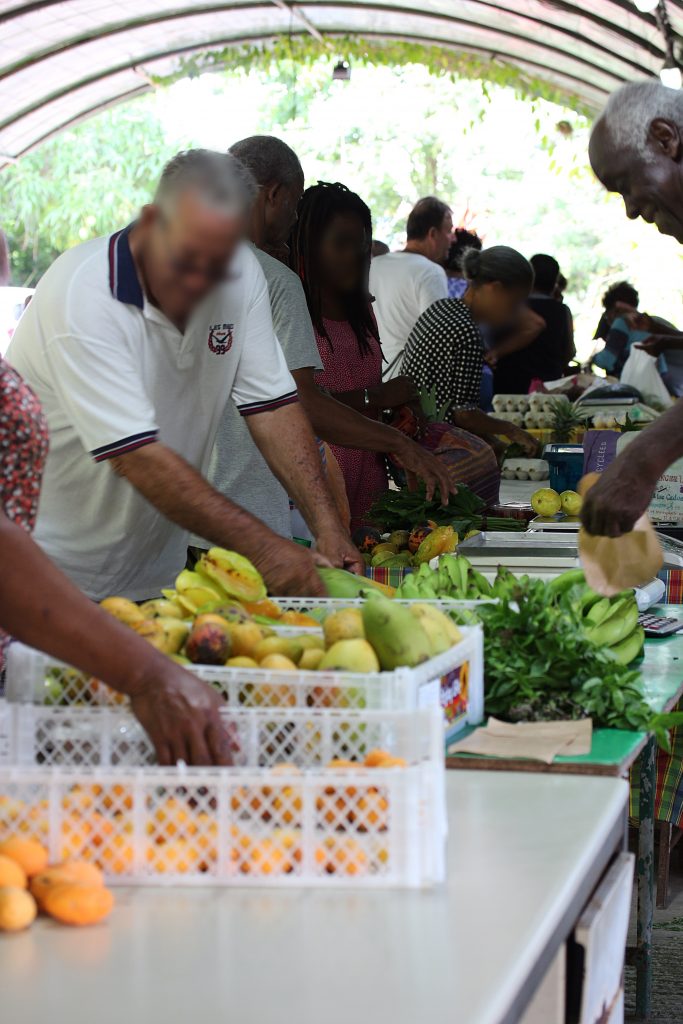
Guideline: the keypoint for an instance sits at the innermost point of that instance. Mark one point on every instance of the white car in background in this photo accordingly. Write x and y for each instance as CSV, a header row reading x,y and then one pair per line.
x,y
12,302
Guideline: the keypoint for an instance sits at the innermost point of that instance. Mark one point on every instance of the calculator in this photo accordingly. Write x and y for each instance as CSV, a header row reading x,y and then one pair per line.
x,y
659,625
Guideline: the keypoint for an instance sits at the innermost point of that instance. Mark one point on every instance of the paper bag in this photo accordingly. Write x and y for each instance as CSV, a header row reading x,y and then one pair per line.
x,y
613,564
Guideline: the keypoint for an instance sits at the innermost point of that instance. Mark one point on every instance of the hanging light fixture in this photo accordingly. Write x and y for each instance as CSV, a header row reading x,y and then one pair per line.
x,y
670,75
342,71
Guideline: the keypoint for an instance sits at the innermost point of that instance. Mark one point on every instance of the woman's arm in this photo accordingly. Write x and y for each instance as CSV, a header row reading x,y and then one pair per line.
x,y
389,395
480,423
41,607
527,329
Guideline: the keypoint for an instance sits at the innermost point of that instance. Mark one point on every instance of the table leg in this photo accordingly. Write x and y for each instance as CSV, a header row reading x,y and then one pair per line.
x,y
646,879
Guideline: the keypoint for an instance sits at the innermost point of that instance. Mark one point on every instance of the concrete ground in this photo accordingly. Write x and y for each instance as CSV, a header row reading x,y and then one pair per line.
x,y
667,945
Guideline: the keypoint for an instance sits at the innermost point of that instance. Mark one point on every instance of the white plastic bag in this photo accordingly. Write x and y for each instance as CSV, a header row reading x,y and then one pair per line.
x,y
640,371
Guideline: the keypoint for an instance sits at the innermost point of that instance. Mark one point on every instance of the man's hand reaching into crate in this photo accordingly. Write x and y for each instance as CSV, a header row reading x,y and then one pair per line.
x,y
42,608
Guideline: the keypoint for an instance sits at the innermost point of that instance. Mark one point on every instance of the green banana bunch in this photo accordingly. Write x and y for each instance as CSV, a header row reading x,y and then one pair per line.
x,y
608,622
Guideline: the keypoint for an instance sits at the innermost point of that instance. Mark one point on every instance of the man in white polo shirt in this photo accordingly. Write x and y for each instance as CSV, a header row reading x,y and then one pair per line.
x,y
407,283
134,344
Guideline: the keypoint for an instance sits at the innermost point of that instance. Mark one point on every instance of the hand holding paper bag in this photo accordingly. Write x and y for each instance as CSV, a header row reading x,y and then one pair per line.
x,y
613,564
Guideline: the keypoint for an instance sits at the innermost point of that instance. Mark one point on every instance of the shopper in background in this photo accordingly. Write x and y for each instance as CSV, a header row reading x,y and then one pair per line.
x,y
379,248
237,468
547,355
405,284
445,354
331,254
462,241
619,298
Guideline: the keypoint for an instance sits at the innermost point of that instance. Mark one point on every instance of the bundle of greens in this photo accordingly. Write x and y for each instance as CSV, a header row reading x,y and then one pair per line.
x,y
540,666
404,509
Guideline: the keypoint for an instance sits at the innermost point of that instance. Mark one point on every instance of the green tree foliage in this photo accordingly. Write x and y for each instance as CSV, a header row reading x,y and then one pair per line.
x,y
81,184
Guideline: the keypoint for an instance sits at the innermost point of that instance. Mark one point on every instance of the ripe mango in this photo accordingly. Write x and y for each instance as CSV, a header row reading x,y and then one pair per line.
x,y
346,624
162,608
350,656
438,542
122,609
208,644
396,636
288,646
311,658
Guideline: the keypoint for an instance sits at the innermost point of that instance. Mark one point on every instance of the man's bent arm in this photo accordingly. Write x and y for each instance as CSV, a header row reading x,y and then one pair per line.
x,y
624,490
41,607
285,439
339,424
182,494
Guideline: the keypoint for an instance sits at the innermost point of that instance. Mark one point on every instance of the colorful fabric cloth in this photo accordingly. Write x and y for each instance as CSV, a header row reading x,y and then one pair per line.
x,y
669,792
23,450
457,286
348,369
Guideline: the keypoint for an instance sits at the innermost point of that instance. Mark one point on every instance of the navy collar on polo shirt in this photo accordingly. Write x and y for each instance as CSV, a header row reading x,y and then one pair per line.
x,y
123,279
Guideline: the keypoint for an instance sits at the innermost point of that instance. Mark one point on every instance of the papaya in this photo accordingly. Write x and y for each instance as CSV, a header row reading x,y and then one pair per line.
x,y
417,535
234,573
366,539
434,544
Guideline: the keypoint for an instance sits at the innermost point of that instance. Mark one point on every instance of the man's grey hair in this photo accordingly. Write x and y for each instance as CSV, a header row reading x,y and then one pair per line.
x,y
632,108
220,180
270,160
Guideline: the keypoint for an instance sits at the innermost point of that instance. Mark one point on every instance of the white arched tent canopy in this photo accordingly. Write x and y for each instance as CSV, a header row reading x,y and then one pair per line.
x,y
63,60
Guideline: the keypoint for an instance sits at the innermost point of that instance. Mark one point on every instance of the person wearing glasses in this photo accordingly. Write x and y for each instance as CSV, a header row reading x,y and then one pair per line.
x,y
133,345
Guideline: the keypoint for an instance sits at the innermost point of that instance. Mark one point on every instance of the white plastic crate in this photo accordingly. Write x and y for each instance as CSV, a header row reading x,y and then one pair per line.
x,y
279,817
453,679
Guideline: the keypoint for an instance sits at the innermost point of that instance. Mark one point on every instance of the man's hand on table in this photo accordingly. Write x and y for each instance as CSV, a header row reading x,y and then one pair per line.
x,y
337,549
289,569
181,715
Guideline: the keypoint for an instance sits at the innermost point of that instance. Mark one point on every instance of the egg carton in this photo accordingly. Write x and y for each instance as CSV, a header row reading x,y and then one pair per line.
x,y
525,469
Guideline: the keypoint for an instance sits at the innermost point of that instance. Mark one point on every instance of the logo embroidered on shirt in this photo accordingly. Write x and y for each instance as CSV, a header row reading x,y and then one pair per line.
x,y
221,338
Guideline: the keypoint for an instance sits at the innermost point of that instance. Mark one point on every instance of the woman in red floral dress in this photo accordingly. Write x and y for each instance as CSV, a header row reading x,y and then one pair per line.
x,y
41,607
330,251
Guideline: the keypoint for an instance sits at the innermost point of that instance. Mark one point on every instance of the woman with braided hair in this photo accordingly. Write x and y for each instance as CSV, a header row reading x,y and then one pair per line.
x,y
330,251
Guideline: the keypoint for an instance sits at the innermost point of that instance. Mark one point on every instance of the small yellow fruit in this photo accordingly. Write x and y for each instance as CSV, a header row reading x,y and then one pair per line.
x,y
278,661
241,661
277,645
245,638
11,873
571,503
122,609
344,625
310,659
17,909
350,656
546,502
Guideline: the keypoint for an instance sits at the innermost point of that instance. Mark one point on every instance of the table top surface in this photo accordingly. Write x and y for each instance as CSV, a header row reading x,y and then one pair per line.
x,y
616,749
523,854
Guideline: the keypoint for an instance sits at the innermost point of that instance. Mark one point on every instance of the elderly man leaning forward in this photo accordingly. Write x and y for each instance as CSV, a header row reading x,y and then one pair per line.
x,y
636,149
134,344
236,467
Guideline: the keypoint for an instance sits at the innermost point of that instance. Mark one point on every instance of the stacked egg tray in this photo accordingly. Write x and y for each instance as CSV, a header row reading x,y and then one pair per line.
x,y
317,797
533,412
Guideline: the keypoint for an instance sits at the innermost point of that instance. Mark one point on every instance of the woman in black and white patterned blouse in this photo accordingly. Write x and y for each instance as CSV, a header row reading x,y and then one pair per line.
x,y
445,353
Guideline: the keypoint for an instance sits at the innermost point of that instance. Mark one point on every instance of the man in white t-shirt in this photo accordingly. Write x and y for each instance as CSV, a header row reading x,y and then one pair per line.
x,y
134,344
406,283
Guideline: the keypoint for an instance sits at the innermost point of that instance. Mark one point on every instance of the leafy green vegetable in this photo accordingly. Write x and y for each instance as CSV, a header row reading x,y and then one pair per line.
x,y
401,510
540,666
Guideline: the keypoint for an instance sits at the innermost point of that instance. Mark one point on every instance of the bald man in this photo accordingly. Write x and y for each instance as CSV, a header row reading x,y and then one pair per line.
x,y
636,149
